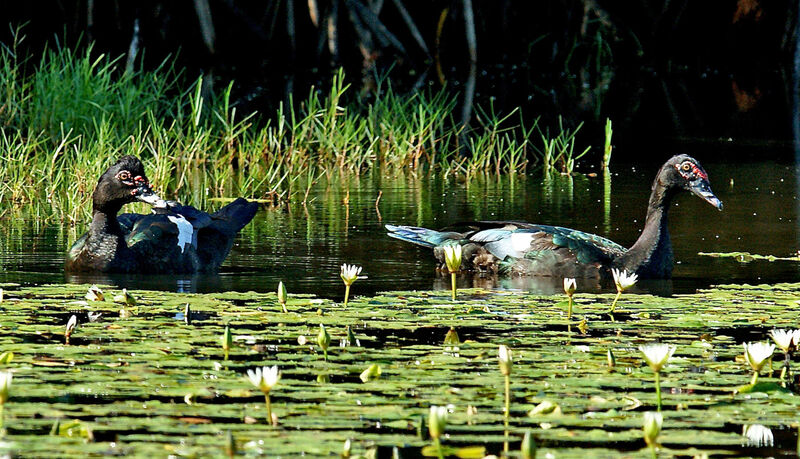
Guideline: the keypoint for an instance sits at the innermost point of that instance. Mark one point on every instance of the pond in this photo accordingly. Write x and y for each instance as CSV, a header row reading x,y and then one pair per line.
x,y
305,245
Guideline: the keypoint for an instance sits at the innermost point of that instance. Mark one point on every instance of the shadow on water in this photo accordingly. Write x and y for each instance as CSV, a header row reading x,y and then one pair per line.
x,y
304,246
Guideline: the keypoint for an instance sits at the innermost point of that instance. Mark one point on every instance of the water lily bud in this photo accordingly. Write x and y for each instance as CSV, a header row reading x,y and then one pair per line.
x,y
5,386
323,339
351,337
504,355
528,447
187,314
452,257
71,324
227,340
612,362
451,338
371,373
652,427
437,420
230,444
346,449
570,286
282,295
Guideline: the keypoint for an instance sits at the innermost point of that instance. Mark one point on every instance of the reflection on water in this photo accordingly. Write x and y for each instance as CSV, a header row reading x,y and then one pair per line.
x,y
305,245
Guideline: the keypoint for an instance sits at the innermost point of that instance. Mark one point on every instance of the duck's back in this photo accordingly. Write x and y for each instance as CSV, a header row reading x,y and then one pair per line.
x,y
182,239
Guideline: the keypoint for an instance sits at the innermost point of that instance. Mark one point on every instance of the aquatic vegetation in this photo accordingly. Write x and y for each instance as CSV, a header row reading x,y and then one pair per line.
x,y
756,355
452,258
126,298
5,389
324,340
569,288
504,358
656,355
787,341
265,379
437,421
282,296
611,361
758,435
227,342
136,374
372,373
527,449
652,429
71,324
349,274
623,281
95,294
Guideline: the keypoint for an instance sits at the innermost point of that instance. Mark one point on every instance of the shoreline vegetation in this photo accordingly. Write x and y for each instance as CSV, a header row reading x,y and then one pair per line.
x,y
63,118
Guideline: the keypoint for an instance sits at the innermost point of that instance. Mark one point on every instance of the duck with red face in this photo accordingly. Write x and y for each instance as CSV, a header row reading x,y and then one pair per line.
x,y
522,248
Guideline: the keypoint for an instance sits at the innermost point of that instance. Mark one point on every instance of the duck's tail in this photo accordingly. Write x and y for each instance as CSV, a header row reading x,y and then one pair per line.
x,y
233,217
421,236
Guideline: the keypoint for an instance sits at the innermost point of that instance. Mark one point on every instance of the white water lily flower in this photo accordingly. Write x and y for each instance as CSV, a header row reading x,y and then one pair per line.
x,y
652,427
623,280
350,273
504,354
264,378
758,435
783,338
757,354
657,354
570,286
5,386
437,420
452,257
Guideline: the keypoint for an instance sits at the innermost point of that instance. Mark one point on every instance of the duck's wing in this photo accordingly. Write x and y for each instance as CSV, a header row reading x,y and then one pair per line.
x,y
128,221
163,241
531,241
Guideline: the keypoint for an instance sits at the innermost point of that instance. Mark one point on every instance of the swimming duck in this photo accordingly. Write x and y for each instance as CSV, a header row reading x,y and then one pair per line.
x,y
542,250
173,239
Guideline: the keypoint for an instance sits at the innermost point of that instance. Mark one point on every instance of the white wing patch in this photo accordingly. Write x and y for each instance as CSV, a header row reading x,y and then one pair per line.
x,y
185,230
521,243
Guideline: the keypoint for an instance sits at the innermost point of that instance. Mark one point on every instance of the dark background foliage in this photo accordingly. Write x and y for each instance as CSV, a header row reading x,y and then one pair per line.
x,y
674,70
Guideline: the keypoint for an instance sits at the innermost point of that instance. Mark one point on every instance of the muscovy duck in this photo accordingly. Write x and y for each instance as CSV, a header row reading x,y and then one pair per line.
x,y
173,239
542,250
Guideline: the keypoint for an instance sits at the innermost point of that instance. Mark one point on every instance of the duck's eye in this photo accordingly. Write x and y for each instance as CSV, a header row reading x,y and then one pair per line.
x,y
687,166
124,175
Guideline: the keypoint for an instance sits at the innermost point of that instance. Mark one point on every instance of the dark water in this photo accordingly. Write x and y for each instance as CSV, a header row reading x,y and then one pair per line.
x,y
304,247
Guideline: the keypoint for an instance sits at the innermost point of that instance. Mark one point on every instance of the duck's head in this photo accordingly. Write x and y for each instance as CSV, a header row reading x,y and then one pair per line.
x,y
682,172
123,182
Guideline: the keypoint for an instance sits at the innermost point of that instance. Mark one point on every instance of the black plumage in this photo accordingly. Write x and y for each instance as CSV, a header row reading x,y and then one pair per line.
x,y
173,239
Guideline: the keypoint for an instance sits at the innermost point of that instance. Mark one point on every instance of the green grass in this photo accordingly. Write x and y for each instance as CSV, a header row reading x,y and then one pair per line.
x,y
65,117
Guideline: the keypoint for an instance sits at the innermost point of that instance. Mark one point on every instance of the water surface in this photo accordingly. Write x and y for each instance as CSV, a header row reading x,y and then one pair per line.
x,y
305,245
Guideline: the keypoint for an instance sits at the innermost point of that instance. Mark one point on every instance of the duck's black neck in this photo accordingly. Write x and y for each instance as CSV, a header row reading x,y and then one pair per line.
x,y
651,254
104,221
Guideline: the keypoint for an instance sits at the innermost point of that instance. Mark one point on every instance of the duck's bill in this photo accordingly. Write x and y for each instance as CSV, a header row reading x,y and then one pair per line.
x,y
145,193
702,189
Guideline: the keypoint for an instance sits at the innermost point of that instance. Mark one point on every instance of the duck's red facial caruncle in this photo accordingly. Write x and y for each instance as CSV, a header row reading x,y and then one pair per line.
x,y
697,182
691,171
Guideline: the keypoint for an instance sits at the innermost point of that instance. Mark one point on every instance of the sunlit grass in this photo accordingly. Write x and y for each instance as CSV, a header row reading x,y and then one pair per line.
x,y
65,117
